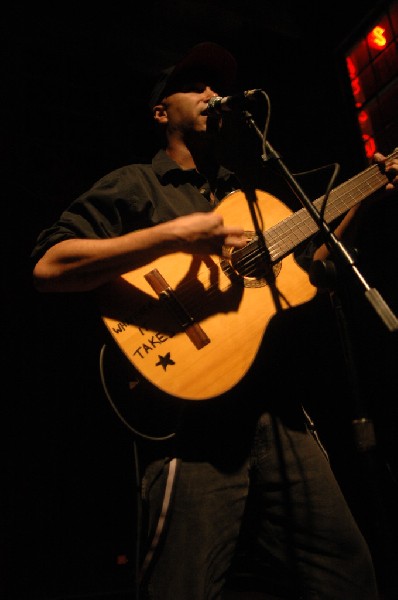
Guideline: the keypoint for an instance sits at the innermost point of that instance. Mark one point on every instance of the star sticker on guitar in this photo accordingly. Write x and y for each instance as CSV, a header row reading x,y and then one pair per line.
x,y
165,361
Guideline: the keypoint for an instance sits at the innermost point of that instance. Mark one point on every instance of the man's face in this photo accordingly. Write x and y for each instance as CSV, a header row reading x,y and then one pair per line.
x,y
186,108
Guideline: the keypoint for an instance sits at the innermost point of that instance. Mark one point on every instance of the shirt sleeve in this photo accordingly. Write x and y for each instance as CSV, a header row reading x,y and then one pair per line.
x,y
110,208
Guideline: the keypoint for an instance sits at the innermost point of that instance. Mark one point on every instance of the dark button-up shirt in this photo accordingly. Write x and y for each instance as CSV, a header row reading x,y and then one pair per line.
x,y
134,197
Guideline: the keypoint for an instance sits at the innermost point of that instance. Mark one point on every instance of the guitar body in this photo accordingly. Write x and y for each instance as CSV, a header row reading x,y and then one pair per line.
x,y
192,325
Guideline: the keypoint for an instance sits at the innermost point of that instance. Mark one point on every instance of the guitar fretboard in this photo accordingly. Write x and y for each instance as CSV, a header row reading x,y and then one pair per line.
x,y
285,236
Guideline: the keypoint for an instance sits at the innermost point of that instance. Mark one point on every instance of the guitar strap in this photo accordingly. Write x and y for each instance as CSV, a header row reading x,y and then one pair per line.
x,y
160,528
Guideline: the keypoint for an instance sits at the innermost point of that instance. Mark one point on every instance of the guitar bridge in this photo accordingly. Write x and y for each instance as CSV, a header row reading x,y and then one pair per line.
x,y
193,330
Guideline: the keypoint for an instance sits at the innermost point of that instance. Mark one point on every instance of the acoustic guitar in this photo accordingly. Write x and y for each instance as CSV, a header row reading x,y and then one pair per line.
x,y
191,326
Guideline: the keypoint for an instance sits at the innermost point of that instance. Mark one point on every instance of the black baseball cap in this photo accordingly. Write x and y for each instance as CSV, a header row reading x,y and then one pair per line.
x,y
206,58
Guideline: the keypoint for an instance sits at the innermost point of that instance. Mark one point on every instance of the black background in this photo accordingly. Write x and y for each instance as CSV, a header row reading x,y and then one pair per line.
x,y
75,85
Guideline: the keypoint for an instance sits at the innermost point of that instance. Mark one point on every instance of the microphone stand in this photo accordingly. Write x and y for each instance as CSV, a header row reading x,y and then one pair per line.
x,y
372,473
363,426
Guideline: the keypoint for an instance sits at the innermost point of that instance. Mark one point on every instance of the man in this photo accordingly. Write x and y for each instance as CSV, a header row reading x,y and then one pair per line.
x,y
246,452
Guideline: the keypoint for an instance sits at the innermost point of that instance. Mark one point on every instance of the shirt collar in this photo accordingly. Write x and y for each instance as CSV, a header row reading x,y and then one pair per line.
x,y
165,166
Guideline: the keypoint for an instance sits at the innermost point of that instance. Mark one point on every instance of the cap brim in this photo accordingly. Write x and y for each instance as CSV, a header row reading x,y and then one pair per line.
x,y
207,58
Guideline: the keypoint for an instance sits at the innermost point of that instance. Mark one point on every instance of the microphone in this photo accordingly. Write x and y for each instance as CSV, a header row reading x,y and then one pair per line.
x,y
219,104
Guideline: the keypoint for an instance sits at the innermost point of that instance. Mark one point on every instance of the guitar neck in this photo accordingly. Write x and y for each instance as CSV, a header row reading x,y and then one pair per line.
x,y
284,237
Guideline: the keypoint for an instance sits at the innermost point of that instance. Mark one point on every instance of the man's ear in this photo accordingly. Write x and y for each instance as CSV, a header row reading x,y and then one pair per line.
x,y
160,113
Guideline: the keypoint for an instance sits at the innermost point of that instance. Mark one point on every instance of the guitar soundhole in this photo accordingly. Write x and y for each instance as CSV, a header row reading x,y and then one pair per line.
x,y
251,265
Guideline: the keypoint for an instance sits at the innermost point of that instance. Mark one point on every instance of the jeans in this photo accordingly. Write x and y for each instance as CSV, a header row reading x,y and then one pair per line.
x,y
276,497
